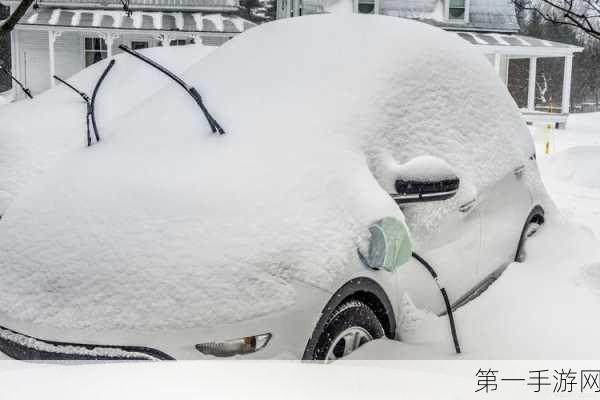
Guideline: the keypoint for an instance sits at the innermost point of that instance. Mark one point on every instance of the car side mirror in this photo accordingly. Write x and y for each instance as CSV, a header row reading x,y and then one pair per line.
x,y
425,179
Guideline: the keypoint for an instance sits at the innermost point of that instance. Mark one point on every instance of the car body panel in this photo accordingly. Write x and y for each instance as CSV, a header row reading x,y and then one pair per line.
x,y
504,207
290,328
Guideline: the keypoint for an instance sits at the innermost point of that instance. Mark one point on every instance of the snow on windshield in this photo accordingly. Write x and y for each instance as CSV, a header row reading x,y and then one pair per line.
x,y
35,134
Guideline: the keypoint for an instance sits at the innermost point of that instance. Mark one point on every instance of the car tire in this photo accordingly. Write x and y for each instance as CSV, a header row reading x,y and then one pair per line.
x,y
350,325
533,224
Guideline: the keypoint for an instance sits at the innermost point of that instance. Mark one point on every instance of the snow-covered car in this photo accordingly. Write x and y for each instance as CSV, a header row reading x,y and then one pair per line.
x,y
351,142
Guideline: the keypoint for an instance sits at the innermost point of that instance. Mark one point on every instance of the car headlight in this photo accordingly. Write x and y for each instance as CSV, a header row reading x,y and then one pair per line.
x,y
233,347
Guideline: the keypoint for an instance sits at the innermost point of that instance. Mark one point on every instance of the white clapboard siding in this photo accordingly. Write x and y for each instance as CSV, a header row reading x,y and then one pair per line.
x,y
68,54
34,60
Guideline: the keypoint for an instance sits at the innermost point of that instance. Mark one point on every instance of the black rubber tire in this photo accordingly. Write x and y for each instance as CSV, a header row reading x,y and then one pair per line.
x,y
353,313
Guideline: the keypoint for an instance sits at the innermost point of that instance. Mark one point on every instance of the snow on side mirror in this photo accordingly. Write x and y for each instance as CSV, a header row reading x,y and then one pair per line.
x,y
389,245
425,179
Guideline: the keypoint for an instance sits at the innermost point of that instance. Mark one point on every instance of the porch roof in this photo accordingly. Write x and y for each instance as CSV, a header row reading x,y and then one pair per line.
x,y
518,45
179,5
139,20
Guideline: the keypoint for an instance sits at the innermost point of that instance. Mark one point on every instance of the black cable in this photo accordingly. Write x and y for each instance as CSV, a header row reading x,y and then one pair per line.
x,y
23,88
444,295
214,125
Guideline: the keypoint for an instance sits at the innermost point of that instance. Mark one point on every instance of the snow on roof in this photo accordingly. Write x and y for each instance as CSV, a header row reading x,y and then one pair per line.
x,y
139,20
512,40
164,224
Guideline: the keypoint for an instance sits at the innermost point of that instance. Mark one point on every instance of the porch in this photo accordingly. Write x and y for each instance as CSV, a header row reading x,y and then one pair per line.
x,y
54,41
501,49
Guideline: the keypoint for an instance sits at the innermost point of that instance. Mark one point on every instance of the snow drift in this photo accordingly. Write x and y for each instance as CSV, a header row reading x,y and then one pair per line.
x,y
576,165
164,224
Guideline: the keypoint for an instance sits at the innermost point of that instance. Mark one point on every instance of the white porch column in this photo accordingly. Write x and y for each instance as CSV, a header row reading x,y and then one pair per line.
x,y
15,63
531,85
566,91
165,39
497,62
197,38
52,36
109,40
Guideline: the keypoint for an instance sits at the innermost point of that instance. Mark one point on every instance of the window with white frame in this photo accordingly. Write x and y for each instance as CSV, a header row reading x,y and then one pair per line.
x,y
366,6
179,42
457,10
139,44
94,50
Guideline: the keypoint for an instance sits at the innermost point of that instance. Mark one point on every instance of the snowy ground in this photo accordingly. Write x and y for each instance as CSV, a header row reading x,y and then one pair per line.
x,y
547,307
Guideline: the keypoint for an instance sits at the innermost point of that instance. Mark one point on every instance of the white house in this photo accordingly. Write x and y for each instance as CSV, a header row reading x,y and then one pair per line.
x,y
490,25
64,36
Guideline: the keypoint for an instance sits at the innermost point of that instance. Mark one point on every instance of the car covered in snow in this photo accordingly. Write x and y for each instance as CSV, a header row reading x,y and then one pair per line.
x,y
350,153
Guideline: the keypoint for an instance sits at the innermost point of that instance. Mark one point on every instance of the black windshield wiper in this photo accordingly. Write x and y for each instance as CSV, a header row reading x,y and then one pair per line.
x,y
214,125
90,102
10,75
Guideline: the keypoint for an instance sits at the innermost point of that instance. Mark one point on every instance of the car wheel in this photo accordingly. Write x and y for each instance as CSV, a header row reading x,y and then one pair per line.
x,y
350,326
531,227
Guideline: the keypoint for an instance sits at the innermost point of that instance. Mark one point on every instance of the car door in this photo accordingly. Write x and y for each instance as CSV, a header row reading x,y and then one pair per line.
x,y
448,237
504,206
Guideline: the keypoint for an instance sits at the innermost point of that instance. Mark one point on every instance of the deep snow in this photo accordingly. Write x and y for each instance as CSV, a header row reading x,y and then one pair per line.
x,y
546,307
188,228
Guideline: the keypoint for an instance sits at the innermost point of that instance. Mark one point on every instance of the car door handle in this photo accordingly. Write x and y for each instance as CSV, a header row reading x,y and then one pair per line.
x,y
468,206
519,170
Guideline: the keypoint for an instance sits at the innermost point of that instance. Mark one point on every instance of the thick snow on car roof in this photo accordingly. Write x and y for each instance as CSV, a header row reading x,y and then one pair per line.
x,y
164,224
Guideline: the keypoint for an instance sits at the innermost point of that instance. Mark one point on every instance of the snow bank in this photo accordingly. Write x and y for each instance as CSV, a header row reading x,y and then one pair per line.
x,y
165,224
576,165
252,381
35,134
7,96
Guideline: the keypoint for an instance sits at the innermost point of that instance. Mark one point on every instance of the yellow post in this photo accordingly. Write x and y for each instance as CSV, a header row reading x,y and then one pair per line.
x,y
548,130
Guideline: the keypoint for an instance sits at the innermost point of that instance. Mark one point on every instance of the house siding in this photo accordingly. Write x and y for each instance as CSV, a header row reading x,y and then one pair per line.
x,y
484,15
34,59
68,52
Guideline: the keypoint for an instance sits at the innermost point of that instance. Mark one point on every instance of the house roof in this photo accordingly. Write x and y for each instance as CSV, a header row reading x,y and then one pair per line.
x,y
516,45
484,15
183,5
139,20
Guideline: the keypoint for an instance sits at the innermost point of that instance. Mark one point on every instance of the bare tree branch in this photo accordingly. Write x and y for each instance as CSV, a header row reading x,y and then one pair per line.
x,y
9,23
581,14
